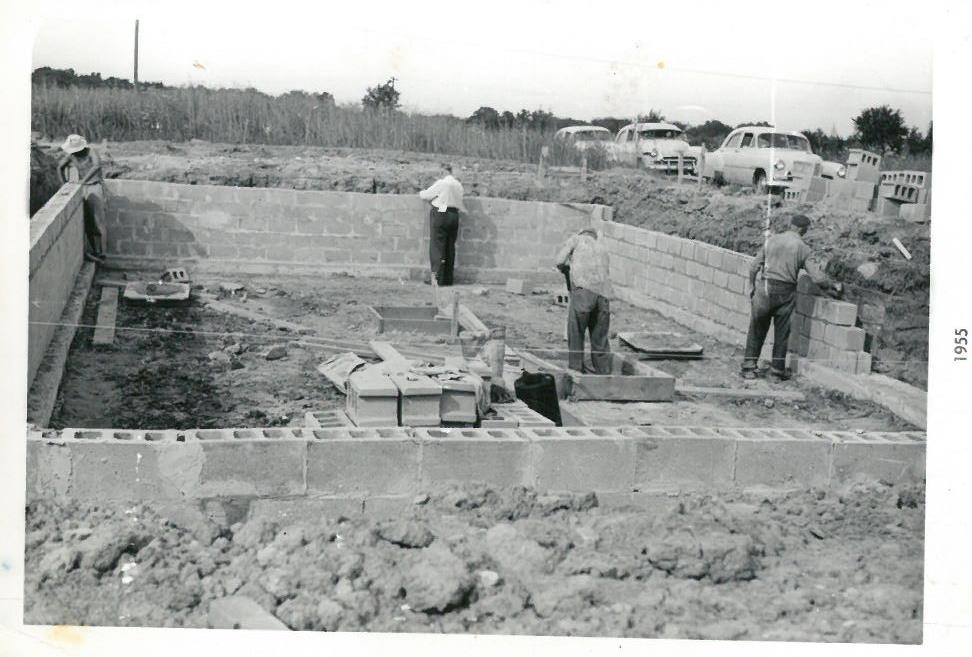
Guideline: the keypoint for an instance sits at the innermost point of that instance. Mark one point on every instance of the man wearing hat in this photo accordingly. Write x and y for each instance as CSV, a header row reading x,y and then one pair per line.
x,y
445,195
773,284
589,311
82,165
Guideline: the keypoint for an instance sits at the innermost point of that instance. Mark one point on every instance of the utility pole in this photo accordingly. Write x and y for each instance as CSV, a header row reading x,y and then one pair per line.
x,y
136,54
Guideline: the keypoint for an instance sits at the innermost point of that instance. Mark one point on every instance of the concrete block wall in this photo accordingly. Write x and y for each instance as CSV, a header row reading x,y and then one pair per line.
x,y
264,230
56,255
710,282
384,464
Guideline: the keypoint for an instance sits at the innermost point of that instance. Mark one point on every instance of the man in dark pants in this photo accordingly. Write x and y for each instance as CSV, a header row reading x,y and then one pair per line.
x,y
590,306
773,294
445,195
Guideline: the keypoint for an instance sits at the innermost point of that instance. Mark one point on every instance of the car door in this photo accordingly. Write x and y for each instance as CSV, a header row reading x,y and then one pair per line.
x,y
746,159
730,158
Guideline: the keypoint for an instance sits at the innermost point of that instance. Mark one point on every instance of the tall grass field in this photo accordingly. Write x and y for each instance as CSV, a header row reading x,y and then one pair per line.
x,y
250,117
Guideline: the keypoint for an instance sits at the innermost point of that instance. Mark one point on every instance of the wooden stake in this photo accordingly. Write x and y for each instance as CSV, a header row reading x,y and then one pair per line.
x,y
136,54
454,331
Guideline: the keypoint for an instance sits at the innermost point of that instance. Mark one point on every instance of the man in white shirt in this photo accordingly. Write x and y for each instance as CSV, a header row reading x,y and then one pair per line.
x,y
445,195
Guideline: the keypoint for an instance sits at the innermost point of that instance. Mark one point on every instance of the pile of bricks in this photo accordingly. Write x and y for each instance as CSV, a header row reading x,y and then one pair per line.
x,y
905,194
823,330
370,464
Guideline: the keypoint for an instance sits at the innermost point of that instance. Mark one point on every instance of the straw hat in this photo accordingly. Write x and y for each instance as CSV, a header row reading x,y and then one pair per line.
x,y
74,143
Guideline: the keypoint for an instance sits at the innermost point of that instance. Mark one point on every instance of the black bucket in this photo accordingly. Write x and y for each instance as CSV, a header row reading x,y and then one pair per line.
x,y
539,392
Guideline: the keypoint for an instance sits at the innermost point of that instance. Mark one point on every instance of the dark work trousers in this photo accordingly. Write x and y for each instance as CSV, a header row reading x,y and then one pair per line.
x,y
773,301
589,312
94,222
443,230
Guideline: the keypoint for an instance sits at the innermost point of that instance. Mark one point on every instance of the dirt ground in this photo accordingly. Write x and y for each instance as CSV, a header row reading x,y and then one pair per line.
x,y
807,566
196,367
729,217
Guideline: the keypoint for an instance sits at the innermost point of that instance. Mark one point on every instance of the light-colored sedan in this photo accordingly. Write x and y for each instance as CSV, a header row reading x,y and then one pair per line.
x,y
584,136
764,157
655,146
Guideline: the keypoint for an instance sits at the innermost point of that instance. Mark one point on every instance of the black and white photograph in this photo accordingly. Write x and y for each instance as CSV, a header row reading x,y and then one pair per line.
x,y
524,319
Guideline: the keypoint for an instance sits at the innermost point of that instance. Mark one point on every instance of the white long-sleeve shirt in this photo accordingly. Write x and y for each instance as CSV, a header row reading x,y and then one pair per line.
x,y
444,193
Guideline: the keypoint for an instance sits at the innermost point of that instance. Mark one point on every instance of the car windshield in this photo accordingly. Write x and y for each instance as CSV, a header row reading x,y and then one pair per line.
x,y
780,140
592,135
659,134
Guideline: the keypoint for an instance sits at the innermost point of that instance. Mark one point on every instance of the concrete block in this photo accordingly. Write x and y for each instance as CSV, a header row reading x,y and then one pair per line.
x,y
915,212
887,207
782,463
863,363
498,457
845,337
864,190
688,462
419,399
518,286
326,419
304,510
580,460
878,461
842,313
524,415
863,165
372,399
372,466
458,400
818,329
245,465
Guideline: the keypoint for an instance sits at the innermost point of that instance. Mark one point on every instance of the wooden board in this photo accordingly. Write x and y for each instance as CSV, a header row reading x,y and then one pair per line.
x,y
107,313
741,393
650,346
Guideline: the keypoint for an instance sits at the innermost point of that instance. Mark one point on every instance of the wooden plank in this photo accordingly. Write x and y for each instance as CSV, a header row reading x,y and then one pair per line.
x,y
107,313
386,351
742,393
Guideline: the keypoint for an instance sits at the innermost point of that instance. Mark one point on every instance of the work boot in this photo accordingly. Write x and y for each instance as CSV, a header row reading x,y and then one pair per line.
x,y
780,375
749,374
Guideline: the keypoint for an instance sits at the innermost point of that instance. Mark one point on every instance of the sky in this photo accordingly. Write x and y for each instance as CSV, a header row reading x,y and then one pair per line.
x,y
581,59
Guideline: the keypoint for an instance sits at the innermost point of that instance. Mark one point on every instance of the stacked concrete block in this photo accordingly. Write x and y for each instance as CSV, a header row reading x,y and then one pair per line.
x,y
458,400
348,466
372,399
419,398
818,190
863,166
261,230
524,415
822,330
918,213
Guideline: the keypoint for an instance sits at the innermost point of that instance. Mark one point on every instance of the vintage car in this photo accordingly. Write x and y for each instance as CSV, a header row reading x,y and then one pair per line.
x,y
655,146
766,158
584,136
833,170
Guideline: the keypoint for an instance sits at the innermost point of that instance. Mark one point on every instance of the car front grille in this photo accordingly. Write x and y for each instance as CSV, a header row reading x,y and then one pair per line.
x,y
672,161
803,169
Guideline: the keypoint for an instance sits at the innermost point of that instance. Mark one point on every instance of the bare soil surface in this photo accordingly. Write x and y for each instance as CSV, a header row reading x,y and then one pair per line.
x,y
730,217
804,566
196,367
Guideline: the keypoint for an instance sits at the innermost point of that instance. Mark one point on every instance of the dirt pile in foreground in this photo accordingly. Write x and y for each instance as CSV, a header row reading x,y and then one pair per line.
x,y
807,566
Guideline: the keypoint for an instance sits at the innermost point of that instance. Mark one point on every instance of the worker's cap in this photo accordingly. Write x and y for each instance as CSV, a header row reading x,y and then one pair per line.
x,y
800,221
74,143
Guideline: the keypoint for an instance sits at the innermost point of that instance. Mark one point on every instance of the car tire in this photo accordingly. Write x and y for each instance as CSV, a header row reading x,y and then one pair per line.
x,y
759,183
718,179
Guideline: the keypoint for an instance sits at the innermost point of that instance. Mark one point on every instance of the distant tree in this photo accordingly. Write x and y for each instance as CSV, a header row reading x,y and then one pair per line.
x,y
764,124
653,116
710,134
828,146
486,117
382,96
881,129
508,119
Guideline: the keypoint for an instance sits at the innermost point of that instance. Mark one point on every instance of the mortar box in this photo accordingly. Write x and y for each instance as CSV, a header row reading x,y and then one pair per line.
x,y
420,319
419,398
458,401
372,400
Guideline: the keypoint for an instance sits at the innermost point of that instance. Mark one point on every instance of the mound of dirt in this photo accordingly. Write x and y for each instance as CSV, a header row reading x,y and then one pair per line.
x,y
808,566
